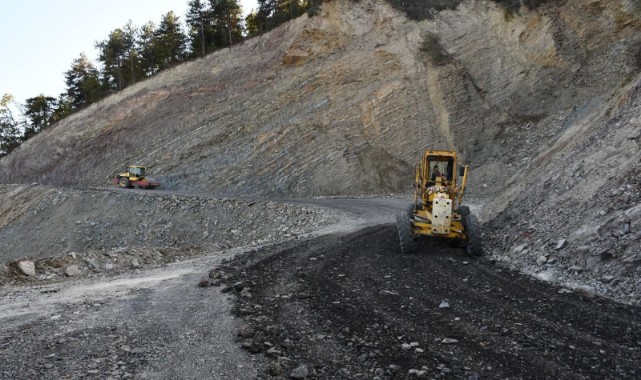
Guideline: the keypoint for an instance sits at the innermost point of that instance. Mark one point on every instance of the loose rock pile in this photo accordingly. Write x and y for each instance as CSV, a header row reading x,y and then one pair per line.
x,y
593,245
72,232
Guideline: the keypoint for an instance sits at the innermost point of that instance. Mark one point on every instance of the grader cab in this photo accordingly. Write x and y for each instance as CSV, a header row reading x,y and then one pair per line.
x,y
437,210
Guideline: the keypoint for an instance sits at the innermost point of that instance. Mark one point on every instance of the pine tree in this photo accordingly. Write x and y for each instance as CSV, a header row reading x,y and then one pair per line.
x,y
134,72
169,42
199,28
145,49
64,108
39,113
252,24
119,58
227,22
83,85
272,13
9,131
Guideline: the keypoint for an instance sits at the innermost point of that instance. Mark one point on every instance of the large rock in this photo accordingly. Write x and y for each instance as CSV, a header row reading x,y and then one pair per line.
x,y
300,372
561,244
27,268
72,271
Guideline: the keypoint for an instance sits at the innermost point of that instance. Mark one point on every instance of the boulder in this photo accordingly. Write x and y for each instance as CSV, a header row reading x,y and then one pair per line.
x,y
28,268
561,244
72,270
300,372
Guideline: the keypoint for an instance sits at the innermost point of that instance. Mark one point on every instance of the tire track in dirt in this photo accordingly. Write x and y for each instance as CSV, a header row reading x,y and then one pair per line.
x,y
351,306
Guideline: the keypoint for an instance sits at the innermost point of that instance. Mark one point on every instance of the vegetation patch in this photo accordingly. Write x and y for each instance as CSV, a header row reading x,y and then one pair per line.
x,y
423,9
637,56
431,45
511,7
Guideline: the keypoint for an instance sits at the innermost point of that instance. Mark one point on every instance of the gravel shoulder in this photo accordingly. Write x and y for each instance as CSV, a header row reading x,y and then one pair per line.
x,y
68,232
154,324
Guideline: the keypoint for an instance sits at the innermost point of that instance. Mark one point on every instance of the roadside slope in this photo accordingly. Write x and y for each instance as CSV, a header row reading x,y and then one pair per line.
x,y
106,231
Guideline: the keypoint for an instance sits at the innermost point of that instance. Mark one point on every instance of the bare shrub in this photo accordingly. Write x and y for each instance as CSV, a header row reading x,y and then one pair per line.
x,y
511,7
431,46
637,56
423,9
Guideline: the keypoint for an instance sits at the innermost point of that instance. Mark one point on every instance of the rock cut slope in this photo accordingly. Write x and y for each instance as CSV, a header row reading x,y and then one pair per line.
x,y
344,102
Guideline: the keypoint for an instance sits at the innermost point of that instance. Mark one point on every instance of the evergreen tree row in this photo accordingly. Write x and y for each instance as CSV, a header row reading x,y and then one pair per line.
x,y
130,54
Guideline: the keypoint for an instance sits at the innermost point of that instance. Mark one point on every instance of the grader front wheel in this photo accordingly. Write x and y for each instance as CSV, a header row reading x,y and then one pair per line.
x,y
405,234
473,230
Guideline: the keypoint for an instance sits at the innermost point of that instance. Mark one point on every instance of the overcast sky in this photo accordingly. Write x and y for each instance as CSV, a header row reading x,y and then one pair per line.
x,y
40,38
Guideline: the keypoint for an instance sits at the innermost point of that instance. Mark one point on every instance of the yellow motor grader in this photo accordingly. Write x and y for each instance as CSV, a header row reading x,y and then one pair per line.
x,y
437,210
135,176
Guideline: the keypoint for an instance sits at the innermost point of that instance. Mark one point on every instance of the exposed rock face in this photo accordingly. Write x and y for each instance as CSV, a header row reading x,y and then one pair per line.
x,y
346,101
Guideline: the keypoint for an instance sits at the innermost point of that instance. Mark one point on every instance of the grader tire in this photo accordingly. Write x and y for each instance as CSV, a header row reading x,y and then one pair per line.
x,y
411,208
405,237
473,244
410,211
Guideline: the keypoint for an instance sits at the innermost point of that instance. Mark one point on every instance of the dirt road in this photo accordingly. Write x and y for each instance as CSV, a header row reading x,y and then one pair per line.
x,y
145,324
156,324
351,306
340,303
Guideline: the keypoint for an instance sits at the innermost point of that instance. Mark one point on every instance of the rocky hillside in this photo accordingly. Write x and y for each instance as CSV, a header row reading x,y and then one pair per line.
x,y
345,101
544,104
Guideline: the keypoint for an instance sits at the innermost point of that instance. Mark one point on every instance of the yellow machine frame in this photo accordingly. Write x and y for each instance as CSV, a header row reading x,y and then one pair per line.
x,y
433,190
131,174
135,176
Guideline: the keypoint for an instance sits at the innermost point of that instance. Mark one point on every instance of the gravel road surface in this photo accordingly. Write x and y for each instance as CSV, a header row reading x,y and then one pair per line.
x,y
341,303
349,306
154,324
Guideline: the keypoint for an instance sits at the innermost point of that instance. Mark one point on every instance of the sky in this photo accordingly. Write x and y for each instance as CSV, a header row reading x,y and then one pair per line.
x,y
39,39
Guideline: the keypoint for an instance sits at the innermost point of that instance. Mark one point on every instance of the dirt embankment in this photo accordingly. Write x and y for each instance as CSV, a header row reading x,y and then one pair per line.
x,y
102,231
574,214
